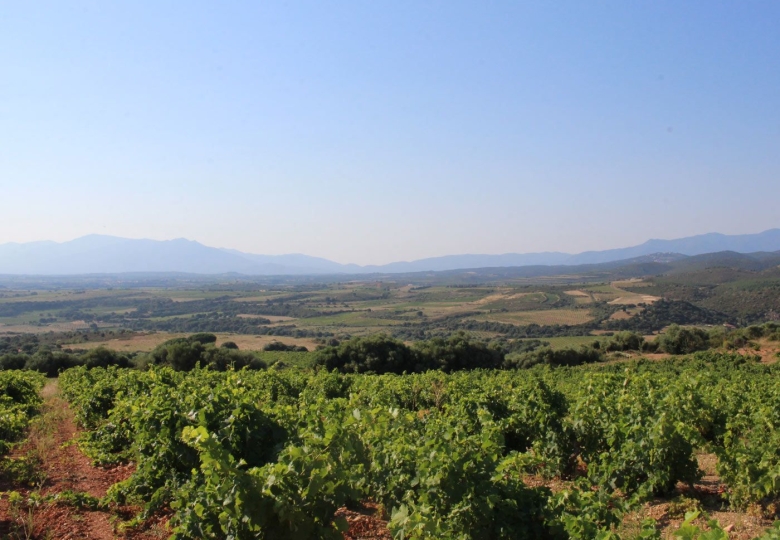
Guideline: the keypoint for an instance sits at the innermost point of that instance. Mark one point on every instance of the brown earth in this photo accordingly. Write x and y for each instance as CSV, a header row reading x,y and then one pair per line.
x,y
768,351
707,497
63,468
365,522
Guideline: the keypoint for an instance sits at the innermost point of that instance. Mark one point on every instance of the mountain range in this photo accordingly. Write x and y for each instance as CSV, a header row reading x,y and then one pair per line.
x,y
99,254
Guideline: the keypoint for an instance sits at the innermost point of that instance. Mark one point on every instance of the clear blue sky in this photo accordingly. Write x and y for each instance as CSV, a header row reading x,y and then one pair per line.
x,y
377,131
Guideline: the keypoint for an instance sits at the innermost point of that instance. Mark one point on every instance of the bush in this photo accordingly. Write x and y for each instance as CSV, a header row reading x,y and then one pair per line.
x,y
183,354
625,341
13,361
50,363
279,346
204,338
680,340
376,354
554,358
457,353
102,357
222,358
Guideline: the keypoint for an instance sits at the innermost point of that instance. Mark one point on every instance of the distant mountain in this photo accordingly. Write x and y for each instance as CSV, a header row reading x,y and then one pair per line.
x,y
97,254
692,245
297,263
107,254
455,262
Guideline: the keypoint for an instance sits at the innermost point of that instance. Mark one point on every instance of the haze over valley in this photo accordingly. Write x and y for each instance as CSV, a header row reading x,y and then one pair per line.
x,y
96,254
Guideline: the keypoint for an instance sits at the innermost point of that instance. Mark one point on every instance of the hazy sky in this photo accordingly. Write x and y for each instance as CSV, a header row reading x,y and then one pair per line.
x,y
369,132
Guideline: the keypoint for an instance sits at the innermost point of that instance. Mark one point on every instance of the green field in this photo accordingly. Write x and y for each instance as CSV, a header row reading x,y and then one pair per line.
x,y
493,304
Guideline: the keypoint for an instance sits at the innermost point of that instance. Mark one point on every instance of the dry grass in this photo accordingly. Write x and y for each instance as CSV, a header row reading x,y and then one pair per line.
x,y
147,342
272,318
543,317
626,297
580,297
767,350
633,298
35,329
576,293
628,313
41,440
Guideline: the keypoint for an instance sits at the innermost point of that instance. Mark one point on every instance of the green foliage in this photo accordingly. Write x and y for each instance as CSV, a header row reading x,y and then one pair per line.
x,y
382,354
585,513
663,313
689,531
458,352
279,346
637,433
204,338
267,454
76,499
13,361
51,363
625,341
375,354
683,340
19,402
749,456
772,534
183,354
554,357
295,498
24,470
102,357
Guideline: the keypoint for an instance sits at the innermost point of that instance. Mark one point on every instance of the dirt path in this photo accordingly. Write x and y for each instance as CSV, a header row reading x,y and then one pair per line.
x,y
62,468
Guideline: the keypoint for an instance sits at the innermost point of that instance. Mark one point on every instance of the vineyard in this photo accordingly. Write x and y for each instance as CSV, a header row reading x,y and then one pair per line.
x,y
19,402
468,455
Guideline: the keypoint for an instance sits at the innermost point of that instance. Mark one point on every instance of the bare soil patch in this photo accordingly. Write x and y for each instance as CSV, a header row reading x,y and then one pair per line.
x,y
366,522
634,299
768,351
577,293
64,468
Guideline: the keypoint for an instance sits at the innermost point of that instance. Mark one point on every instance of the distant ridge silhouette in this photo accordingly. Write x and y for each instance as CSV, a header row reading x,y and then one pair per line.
x,y
98,254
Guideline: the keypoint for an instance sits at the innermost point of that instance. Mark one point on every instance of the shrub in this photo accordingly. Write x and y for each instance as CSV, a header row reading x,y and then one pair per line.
x,y
13,361
377,354
457,353
279,346
682,340
625,341
550,357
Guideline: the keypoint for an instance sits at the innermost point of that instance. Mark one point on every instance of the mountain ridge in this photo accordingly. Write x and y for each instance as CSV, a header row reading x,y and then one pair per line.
x,y
95,254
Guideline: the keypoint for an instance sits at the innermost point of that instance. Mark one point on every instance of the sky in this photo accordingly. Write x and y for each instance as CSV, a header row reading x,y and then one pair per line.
x,y
371,132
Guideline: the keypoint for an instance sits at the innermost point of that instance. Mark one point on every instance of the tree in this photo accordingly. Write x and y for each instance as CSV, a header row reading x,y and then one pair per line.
x,y
458,352
375,354
683,340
